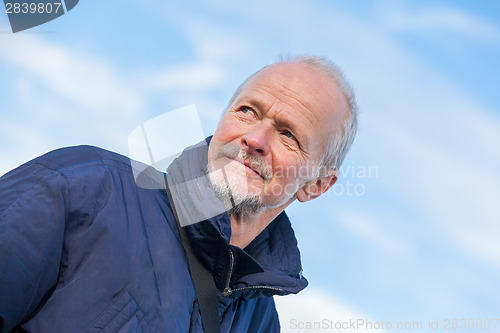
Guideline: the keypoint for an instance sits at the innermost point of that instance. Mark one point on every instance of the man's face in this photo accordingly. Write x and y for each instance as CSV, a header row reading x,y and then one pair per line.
x,y
272,136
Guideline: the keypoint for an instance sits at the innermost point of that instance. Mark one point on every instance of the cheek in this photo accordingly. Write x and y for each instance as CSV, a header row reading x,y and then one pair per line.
x,y
290,169
284,169
225,131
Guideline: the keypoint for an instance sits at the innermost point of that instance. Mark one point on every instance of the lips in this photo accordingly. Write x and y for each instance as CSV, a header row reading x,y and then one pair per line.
x,y
247,164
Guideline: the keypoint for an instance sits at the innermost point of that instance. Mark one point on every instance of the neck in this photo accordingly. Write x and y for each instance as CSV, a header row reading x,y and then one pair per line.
x,y
245,227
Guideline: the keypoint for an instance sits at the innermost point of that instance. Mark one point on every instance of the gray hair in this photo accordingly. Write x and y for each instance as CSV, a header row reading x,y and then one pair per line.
x,y
342,137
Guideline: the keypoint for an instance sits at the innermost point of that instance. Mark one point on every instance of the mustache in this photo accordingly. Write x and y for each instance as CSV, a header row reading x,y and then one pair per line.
x,y
256,163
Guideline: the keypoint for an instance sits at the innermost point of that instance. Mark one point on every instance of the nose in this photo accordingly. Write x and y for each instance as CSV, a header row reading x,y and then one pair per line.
x,y
257,140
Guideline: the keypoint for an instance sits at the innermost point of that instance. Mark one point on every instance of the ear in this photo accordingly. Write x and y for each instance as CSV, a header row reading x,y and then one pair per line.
x,y
316,187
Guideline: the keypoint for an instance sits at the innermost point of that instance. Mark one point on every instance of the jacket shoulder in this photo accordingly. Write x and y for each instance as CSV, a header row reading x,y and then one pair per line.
x,y
77,155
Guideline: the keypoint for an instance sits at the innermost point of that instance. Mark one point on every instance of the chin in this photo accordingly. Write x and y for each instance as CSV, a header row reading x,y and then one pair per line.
x,y
234,191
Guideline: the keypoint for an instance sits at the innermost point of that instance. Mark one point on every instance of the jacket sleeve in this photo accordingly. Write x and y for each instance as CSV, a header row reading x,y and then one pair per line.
x,y
265,318
32,221
257,315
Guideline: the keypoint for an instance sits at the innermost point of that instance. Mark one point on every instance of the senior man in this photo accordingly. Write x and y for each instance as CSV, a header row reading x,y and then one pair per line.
x,y
86,247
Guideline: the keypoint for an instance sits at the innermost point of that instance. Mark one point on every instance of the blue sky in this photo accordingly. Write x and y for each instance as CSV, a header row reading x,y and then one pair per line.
x,y
411,230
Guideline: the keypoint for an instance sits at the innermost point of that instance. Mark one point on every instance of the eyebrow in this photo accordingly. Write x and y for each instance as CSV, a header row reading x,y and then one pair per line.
x,y
282,121
253,101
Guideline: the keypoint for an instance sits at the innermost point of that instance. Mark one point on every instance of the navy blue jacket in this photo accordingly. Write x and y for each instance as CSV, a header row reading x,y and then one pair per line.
x,y
83,248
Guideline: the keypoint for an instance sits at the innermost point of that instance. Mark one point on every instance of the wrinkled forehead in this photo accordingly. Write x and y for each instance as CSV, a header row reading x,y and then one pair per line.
x,y
290,75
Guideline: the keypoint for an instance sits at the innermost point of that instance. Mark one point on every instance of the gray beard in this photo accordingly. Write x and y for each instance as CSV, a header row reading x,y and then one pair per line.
x,y
236,202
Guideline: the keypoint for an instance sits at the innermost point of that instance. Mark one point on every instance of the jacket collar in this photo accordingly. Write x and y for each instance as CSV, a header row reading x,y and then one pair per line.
x,y
269,265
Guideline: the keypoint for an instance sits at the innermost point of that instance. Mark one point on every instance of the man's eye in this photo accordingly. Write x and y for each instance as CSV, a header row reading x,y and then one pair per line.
x,y
246,109
289,135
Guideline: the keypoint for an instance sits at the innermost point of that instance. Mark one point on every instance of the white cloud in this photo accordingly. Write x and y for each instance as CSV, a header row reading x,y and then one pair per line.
x,y
197,76
374,233
435,19
215,43
20,143
315,308
454,192
82,78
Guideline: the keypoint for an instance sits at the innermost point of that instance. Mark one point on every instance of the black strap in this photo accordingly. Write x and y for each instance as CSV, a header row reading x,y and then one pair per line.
x,y
202,278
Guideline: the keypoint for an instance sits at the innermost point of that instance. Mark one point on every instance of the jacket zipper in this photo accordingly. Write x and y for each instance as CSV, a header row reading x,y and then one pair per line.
x,y
228,291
